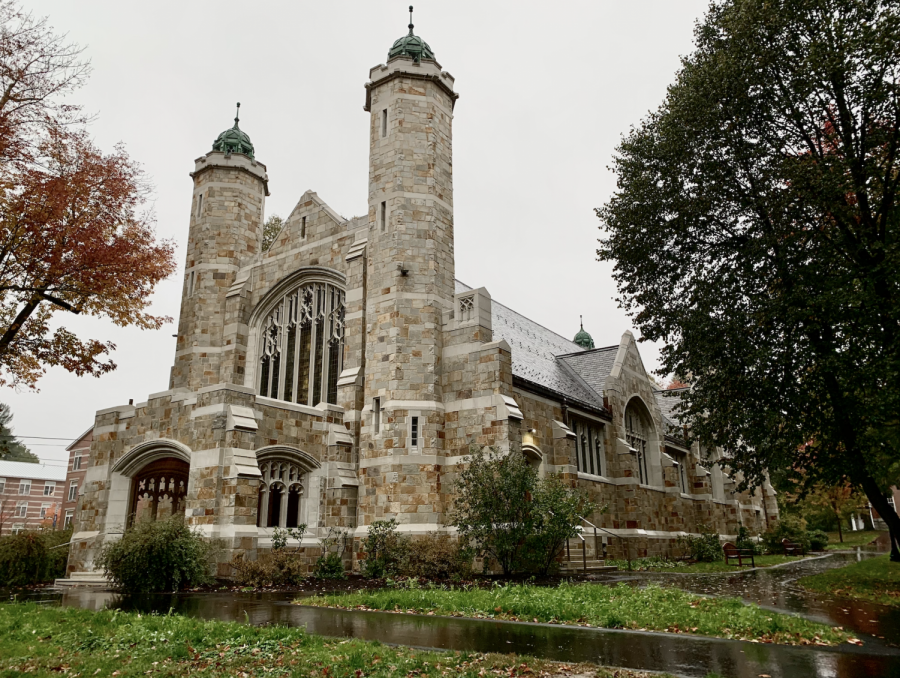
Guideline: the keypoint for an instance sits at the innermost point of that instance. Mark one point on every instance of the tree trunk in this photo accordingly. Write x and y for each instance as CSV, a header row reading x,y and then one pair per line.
x,y
840,531
16,325
880,503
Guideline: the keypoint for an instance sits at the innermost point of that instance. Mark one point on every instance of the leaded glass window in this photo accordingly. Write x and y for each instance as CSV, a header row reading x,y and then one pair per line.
x,y
589,452
636,437
302,345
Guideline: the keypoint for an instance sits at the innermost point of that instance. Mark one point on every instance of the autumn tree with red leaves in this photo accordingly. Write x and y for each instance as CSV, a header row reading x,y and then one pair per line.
x,y
74,234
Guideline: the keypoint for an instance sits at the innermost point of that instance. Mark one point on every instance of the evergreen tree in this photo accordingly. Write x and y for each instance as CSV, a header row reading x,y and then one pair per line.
x,y
11,448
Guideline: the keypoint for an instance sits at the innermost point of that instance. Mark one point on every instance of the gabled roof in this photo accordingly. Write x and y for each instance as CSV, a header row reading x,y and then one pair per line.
x,y
668,401
593,365
534,351
24,469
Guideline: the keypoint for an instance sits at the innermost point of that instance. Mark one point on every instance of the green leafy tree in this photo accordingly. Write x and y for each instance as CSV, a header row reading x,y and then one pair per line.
x,y
492,506
503,510
557,510
11,448
271,229
754,230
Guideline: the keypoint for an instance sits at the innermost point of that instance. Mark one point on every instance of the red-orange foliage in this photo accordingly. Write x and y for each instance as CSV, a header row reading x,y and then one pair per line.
x,y
73,235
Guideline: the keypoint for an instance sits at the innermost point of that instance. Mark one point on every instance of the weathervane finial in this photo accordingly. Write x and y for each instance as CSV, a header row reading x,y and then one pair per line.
x,y
410,20
581,321
237,114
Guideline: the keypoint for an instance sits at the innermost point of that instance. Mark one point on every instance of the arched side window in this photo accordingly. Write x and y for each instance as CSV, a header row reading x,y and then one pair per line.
x,y
302,345
281,493
637,436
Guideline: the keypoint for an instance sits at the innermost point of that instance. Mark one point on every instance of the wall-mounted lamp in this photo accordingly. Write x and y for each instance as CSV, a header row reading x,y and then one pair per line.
x,y
533,431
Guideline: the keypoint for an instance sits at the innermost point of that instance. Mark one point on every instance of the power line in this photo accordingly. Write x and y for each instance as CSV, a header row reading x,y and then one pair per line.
x,y
7,435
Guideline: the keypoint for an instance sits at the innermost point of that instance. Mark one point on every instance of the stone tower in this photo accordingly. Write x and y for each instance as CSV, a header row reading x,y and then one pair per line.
x,y
410,282
230,188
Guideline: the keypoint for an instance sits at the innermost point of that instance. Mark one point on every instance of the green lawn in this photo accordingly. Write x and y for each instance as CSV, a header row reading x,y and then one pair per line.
x,y
876,580
852,539
653,608
660,565
42,641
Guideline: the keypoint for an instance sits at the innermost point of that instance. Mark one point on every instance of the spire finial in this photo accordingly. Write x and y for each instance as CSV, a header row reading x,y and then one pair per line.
x,y
410,20
237,115
581,321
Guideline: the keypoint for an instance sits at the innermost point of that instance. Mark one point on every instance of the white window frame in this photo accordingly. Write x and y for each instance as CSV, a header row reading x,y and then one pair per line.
x,y
21,509
69,517
44,509
49,488
414,432
2,485
18,528
25,487
76,461
73,490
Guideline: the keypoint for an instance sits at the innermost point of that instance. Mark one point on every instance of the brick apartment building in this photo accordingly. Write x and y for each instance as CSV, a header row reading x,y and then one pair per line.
x,y
79,460
31,496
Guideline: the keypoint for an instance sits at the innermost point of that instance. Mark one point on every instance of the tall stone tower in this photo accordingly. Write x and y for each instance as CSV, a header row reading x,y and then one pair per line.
x,y
410,274
230,188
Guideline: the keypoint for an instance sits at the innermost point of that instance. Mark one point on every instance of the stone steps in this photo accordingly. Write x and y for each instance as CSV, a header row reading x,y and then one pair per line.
x,y
83,579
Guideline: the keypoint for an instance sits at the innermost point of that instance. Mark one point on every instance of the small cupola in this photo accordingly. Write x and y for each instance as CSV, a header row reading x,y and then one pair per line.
x,y
411,45
234,140
583,339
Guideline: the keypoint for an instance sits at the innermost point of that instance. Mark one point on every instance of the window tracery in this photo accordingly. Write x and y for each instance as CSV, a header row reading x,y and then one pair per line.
x,y
282,489
636,437
302,341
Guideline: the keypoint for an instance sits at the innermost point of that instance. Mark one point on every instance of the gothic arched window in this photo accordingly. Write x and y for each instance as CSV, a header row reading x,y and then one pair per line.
x,y
281,491
636,436
302,345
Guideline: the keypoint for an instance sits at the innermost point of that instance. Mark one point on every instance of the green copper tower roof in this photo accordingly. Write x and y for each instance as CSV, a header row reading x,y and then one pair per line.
x,y
234,140
583,339
411,45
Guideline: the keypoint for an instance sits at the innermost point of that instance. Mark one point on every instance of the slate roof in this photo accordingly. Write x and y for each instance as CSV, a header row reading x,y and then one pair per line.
x,y
593,365
667,401
23,469
534,351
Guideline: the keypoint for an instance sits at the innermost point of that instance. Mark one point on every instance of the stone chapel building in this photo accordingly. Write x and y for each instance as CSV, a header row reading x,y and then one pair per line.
x,y
341,376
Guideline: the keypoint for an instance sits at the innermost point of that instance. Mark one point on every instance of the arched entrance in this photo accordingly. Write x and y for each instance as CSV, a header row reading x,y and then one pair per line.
x,y
159,490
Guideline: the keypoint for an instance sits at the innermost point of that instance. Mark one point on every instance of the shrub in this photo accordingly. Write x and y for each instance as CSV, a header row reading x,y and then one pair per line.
x,y
706,548
511,516
384,548
282,567
330,565
436,556
818,540
745,541
165,555
24,559
556,510
788,527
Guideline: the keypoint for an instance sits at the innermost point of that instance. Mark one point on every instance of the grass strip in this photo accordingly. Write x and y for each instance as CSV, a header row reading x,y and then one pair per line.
x,y
662,565
41,641
652,608
876,580
852,539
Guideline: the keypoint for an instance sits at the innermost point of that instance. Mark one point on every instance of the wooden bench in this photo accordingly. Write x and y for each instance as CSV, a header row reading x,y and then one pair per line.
x,y
732,552
792,548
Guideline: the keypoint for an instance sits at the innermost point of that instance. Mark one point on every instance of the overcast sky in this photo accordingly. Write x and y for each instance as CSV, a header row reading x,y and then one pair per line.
x,y
546,91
